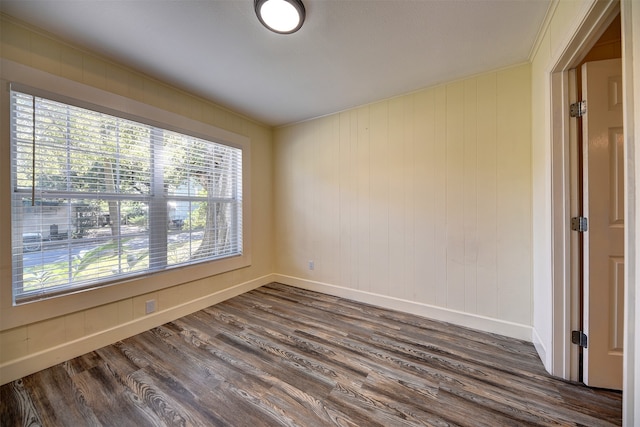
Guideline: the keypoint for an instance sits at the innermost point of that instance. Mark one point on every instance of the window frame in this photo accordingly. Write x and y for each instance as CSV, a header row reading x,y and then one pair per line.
x,y
39,83
157,197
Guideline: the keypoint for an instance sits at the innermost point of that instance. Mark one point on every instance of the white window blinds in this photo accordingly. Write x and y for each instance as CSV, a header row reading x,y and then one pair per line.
x,y
98,198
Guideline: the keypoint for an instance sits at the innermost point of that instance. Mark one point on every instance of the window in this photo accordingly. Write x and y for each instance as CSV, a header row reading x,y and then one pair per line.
x,y
99,198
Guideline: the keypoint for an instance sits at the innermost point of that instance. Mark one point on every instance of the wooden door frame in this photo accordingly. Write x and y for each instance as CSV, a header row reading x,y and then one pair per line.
x,y
630,21
564,187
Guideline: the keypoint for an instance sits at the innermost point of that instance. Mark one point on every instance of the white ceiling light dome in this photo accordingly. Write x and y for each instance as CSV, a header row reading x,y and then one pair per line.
x,y
280,16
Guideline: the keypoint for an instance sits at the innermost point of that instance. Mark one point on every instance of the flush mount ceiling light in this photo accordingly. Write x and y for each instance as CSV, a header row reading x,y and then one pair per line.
x,y
280,16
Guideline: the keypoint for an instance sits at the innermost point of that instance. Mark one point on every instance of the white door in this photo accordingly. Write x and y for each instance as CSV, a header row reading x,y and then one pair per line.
x,y
603,161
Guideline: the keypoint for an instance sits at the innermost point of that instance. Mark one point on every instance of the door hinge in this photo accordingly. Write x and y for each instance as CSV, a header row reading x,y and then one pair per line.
x,y
579,337
578,109
579,223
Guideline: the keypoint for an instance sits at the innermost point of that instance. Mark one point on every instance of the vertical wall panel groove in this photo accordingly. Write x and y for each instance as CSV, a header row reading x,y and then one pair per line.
x,y
425,223
454,196
408,291
439,189
364,209
397,165
470,225
487,295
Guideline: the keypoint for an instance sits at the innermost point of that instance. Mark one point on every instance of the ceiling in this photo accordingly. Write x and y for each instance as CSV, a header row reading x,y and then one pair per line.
x,y
348,53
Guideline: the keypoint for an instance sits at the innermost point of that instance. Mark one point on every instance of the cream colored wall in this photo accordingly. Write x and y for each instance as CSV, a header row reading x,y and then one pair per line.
x,y
421,202
33,346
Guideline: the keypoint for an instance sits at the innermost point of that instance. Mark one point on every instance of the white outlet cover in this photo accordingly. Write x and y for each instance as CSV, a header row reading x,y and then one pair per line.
x,y
150,306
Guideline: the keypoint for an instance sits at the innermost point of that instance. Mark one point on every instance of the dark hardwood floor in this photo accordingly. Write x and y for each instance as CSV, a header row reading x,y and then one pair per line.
x,y
281,356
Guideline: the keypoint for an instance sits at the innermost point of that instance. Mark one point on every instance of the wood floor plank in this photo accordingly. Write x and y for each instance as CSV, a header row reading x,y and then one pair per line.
x,y
464,368
17,406
56,399
100,389
322,368
283,356
243,379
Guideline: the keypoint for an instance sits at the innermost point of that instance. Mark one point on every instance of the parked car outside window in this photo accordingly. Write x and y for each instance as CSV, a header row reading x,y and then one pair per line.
x,y
31,242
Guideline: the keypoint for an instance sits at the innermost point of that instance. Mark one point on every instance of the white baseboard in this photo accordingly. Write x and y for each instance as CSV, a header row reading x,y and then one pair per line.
x,y
542,350
482,323
19,368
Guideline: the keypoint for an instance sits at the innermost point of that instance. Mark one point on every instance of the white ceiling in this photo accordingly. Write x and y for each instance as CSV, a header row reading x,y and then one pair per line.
x,y
348,53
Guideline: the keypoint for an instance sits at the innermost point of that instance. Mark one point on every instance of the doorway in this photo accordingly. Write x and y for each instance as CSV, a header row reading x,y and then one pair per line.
x,y
599,38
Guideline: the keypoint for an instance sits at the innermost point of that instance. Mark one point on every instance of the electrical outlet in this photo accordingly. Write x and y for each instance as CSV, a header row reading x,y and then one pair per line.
x,y
150,306
312,265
